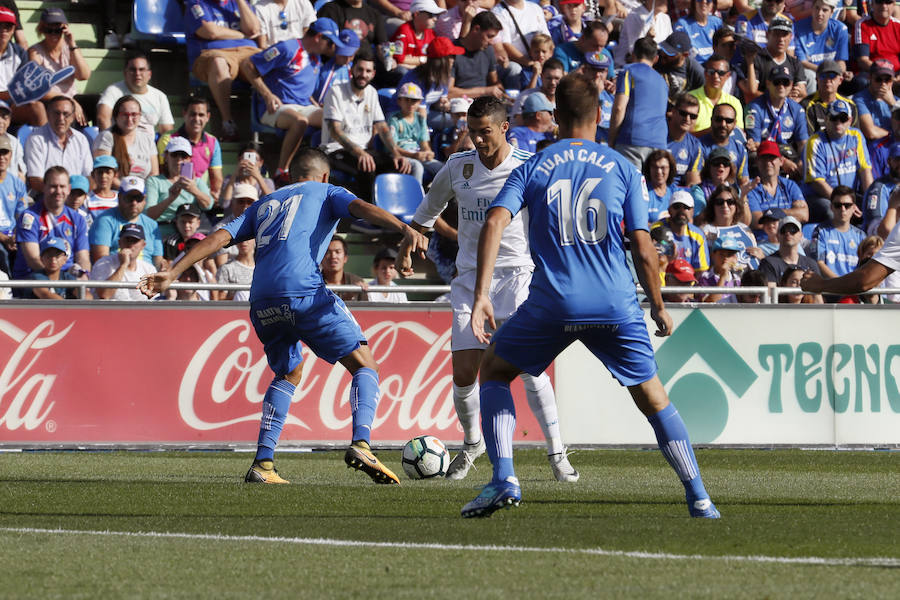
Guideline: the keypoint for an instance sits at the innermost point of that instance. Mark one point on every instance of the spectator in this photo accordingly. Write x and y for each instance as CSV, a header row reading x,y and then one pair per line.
x,y
659,173
828,77
681,72
17,155
103,196
881,150
13,56
433,78
12,204
244,195
187,222
718,170
771,190
56,144
835,156
834,245
723,270
207,153
456,22
819,38
57,51
711,94
385,274
643,21
396,13
788,253
755,24
413,38
281,20
690,243
876,36
156,114
867,249
875,102
131,146
767,235
51,218
337,69
762,66
791,278
410,132
520,21
700,25
175,187
594,38
726,216
638,122
537,123
249,170
722,135
104,235
474,71
539,51
664,243
679,273
238,270
284,78
333,272
194,274
219,36
79,187
752,278
551,74
455,137
569,24
124,265
725,45
684,146
878,197
357,15
776,117
596,68
19,34
353,116
54,254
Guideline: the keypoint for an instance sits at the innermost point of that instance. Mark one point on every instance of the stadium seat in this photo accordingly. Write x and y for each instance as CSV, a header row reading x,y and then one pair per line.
x,y
257,126
161,21
23,133
387,101
808,229
91,133
398,194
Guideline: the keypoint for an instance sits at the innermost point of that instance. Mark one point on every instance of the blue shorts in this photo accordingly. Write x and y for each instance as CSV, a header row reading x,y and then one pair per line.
x,y
531,344
321,321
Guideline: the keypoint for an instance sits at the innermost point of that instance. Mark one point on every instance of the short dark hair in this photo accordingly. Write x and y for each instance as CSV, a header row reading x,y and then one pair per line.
x,y
645,48
486,20
724,105
309,161
653,158
714,57
60,98
197,99
842,190
337,238
364,53
721,33
577,100
685,99
552,64
55,170
134,55
488,106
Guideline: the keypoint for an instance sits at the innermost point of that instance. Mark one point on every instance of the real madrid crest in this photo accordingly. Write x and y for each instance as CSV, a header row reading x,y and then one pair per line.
x,y
468,169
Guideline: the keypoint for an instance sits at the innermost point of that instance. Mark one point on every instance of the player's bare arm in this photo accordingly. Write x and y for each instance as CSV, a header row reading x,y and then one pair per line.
x,y
488,246
150,285
646,265
862,279
403,263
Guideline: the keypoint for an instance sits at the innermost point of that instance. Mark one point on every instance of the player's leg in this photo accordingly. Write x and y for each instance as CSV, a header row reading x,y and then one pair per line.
x,y
276,404
466,403
542,402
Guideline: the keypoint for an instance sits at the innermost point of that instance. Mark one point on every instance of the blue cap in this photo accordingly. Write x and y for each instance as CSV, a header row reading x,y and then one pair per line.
x,y
80,182
5,106
774,214
727,243
677,43
348,44
106,161
328,28
838,107
55,243
894,150
597,60
536,102
134,230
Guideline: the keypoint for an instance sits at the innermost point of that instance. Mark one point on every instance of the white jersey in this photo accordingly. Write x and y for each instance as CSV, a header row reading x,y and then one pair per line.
x,y
474,187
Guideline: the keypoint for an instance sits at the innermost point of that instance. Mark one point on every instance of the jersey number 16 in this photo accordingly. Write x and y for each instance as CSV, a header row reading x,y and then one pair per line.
x,y
585,217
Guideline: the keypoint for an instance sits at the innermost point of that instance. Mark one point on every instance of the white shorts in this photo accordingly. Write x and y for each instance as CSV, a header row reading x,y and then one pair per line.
x,y
271,118
509,289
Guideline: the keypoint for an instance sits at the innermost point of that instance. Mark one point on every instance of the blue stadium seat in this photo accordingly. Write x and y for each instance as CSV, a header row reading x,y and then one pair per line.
x,y
23,133
808,229
91,133
387,101
257,126
159,20
398,194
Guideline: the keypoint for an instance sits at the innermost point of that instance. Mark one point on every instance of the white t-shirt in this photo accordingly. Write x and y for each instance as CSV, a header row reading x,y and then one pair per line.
x,y
140,152
636,25
106,266
357,115
392,297
155,109
889,255
530,19
298,15
236,272
474,186
17,160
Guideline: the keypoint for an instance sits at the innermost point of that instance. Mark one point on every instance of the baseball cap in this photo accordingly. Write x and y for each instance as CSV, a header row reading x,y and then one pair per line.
x,y
245,190
682,197
55,243
106,161
389,253
772,214
676,43
561,2
328,28
133,230
789,220
429,6
410,90
187,209
829,66
780,72
882,67
536,102
838,107
894,150
727,243
718,153
53,15
131,184
3,103
681,270
597,60
780,24
768,148
76,182
7,16
179,144
831,3
5,143
460,105
443,46
348,44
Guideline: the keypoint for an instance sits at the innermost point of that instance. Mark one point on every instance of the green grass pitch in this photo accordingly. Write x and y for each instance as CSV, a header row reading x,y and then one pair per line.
x,y
796,524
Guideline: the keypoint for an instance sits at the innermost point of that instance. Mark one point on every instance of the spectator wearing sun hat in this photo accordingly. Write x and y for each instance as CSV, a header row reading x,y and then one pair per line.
x,y
103,196
876,101
171,189
537,119
722,270
413,37
772,190
124,265
790,237
12,56
455,136
410,132
337,69
690,242
17,156
679,273
79,188
12,203
54,252
104,234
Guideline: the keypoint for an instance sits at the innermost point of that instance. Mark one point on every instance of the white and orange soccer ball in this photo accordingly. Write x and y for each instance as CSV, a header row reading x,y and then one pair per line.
x,y
425,457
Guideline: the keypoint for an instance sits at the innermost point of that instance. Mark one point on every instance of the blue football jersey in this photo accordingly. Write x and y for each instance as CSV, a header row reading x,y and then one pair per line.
x,y
292,227
578,194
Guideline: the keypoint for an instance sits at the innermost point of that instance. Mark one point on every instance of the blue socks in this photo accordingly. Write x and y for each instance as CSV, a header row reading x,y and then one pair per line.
x,y
672,437
498,423
276,404
364,396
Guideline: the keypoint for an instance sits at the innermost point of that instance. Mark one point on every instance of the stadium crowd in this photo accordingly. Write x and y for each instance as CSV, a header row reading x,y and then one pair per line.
x,y
768,132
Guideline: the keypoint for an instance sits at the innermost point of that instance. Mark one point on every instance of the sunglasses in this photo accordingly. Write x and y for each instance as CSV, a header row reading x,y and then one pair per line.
x,y
55,31
844,205
829,75
719,72
687,115
781,83
884,79
839,119
724,201
727,120
720,164
790,230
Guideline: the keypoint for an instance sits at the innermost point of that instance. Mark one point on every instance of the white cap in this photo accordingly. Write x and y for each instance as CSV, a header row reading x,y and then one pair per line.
x,y
179,144
458,105
245,190
131,184
429,6
682,197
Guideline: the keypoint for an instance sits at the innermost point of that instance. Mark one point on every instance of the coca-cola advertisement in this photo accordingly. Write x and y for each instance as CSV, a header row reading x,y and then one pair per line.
x,y
146,374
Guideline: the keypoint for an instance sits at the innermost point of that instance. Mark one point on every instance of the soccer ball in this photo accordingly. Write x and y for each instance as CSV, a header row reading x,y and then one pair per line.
x,y
425,457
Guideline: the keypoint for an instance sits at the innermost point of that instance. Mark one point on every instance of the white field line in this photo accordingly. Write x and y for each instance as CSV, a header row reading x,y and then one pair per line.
x,y
795,560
